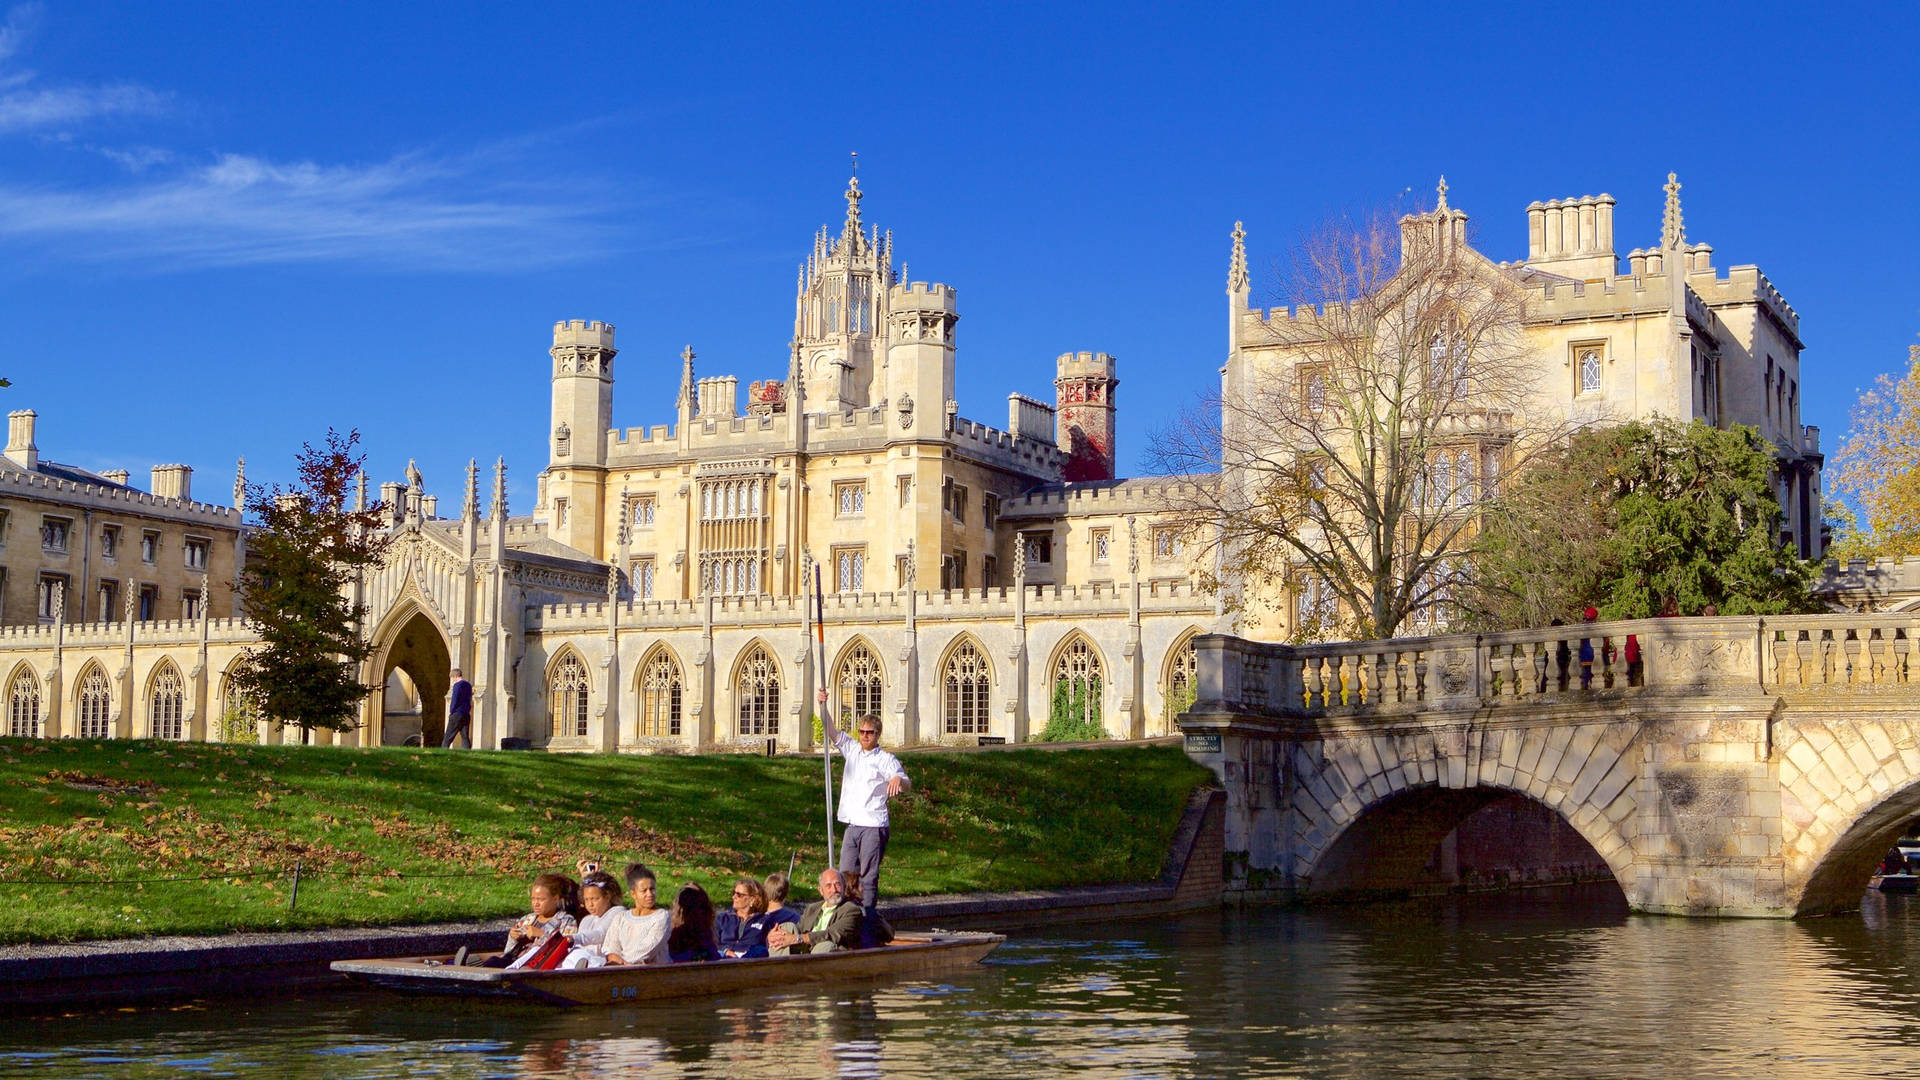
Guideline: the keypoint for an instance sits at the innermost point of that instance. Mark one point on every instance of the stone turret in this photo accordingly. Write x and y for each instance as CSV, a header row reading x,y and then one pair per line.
x,y
1084,397
20,447
839,309
582,355
920,356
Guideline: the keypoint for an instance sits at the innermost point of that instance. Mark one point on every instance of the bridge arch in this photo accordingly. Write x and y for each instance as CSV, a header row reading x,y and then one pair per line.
x,y
1847,792
1365,806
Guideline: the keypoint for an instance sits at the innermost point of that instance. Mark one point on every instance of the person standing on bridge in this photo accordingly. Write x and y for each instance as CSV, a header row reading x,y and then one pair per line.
x,y
459,710
871,777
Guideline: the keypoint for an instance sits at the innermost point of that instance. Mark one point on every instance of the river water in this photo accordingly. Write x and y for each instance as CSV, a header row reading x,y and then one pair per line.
x,y
1553,982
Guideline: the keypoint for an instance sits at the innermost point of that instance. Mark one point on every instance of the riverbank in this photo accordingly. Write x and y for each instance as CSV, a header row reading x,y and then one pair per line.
x,y
125,839
39,978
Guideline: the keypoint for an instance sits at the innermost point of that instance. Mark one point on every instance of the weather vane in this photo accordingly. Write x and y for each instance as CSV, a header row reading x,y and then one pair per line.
x,y
855,154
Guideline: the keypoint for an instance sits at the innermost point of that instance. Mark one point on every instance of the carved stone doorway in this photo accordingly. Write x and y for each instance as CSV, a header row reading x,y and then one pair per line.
x,y
418,650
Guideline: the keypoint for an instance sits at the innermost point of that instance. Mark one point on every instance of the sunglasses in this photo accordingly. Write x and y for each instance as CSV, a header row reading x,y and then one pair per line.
x,y
869,731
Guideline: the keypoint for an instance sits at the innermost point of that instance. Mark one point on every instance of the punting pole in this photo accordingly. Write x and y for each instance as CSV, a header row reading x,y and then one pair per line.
x,y
820,672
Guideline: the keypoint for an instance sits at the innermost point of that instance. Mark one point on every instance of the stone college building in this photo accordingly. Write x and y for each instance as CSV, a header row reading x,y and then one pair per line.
x,y
980,579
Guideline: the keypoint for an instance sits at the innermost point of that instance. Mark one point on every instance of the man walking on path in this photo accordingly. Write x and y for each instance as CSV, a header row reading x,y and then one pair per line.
x,y
871,777
459,710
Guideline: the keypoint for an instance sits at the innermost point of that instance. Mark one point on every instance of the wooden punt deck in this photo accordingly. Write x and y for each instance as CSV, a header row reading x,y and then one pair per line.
x,y
909,954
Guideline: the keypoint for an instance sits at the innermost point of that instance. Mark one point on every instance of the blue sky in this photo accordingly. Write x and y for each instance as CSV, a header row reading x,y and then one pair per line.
x,y
226,226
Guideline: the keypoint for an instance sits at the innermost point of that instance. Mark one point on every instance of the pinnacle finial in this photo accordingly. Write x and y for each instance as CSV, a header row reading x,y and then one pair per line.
x,y
470,509
1673,231
240,484
686,378
851,238
1442,205
360,492
499,508
1237,266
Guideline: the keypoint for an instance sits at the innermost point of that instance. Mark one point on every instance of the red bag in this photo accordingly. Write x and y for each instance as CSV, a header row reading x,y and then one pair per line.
x,y
547,955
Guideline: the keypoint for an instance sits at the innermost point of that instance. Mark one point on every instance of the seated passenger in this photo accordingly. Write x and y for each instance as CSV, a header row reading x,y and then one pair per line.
x,y
640,935
742,929
546,897
830,924
777,909
600,895
691,938
874,929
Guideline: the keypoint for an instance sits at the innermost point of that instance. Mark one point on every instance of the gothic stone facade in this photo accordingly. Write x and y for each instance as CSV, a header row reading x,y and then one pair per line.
x,y
977,580
1666,335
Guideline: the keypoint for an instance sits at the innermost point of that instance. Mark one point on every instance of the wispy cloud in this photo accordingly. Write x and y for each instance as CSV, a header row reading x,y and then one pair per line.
x,y
412,211
25,106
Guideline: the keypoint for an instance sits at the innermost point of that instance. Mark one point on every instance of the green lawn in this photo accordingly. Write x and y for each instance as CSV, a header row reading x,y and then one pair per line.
x,y
394,836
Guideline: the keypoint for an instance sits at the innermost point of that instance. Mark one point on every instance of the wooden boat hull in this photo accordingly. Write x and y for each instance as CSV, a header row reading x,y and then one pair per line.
x,y
1895,883
909,954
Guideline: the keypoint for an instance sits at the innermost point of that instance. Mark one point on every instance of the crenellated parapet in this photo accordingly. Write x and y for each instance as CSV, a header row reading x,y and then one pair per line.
x,y
116,499
1121,497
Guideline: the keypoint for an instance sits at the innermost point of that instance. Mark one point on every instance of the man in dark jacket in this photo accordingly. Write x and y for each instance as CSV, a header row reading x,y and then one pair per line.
x,y
829,924
459,710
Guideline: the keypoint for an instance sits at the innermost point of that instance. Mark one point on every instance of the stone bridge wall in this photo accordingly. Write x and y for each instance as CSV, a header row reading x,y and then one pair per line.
x,y
1739,767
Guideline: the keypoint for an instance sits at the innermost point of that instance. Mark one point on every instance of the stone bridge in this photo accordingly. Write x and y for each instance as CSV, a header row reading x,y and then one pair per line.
x,y
1742,766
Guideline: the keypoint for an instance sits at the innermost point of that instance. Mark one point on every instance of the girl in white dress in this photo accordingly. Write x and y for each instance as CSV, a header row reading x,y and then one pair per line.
x,y
600,895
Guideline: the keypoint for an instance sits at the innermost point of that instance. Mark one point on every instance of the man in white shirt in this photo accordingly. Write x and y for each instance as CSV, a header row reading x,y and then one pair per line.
x,y
871,777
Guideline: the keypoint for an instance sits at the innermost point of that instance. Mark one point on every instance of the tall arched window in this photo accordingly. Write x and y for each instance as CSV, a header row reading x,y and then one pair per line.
x,y
96,705
239,721
166,704
660,690
1077,684
756,693
1590,372
968,680
1183,680
567,698
860,684
23,707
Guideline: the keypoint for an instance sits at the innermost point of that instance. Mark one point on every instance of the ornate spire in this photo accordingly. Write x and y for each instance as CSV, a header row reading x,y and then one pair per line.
x,y
686,379
626,516
240,485
360,493
1442,204
499,508
1673,231
470,509
851,239
1237,266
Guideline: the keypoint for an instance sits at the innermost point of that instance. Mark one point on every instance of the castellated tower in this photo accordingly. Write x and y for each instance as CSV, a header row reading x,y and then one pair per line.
x,y
582,414
1083,428
920,357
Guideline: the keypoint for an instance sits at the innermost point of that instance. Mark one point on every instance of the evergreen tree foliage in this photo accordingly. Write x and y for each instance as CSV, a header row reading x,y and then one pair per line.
x,y
306,546
1639,520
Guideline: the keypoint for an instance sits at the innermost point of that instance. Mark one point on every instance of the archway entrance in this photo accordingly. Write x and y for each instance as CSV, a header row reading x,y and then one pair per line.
x,y
420,656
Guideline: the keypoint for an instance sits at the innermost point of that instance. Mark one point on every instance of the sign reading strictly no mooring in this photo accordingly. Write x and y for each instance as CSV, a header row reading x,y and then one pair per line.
x,y
1203,744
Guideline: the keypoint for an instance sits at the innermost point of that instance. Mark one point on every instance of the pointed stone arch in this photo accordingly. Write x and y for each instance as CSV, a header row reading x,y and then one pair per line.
x,y
757,682
411,636
966,687
660,683
25,717
1077,681
166,696
569,694
93,703
859,681
1179,677
234,718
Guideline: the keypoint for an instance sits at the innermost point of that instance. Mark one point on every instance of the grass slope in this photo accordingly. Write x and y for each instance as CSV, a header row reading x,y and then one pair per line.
x,y
89,830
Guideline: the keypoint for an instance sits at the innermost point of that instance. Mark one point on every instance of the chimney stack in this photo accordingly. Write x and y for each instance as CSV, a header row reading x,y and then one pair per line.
x,y
173,481
116,476
20,448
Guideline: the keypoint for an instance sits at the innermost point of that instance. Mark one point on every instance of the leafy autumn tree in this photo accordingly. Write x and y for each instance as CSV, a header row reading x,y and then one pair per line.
x,y
1644,518
1877,470
305,548
1356,433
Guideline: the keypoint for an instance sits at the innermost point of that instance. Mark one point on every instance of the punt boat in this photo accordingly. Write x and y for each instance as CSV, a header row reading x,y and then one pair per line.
x,y
908,954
